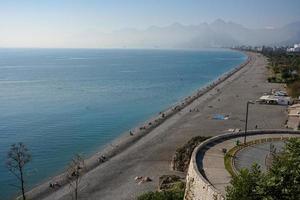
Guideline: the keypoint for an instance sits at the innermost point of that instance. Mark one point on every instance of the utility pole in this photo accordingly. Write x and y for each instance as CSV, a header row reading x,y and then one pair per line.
x,y
246,124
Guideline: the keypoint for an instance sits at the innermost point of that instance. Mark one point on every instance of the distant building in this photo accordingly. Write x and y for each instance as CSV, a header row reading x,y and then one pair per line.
x,y
272,99
296,48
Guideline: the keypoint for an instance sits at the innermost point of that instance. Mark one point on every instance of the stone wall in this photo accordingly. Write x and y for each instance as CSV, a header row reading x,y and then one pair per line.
x,y
199,189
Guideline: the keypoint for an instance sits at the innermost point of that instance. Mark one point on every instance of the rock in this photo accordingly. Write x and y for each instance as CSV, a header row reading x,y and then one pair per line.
x,y
142,179
140,182
138,178
147,179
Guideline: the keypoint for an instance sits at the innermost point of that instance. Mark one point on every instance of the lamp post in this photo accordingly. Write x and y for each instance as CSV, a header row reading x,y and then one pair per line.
x,y
246,124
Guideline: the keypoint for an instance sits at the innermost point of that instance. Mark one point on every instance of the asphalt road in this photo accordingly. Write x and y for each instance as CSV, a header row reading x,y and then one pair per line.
x,y
246,157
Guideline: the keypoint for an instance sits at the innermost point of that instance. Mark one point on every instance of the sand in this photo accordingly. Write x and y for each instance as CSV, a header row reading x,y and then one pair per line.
x,y
149,152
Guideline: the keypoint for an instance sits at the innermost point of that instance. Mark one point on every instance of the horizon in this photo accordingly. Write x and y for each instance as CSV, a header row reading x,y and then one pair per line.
x,y
117,48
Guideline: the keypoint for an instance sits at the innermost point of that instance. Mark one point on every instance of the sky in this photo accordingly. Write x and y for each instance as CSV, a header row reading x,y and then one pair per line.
x,y
49,23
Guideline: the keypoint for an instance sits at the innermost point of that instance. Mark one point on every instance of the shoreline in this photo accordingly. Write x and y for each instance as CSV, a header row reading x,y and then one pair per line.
x,y
127,139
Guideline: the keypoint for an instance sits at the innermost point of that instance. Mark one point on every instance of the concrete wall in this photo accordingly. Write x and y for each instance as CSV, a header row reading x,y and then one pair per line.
x,y
199,189
197,186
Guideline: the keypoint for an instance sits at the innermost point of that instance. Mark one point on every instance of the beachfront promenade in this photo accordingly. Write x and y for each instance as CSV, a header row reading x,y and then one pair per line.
x,y
151,154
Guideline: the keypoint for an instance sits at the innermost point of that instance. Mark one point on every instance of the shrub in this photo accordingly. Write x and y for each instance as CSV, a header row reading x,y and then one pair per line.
x,y
294,89
164,195
176,192
181,159
282,181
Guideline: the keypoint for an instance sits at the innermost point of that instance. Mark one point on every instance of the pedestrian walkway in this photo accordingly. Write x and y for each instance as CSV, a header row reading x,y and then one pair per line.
x,y
211,163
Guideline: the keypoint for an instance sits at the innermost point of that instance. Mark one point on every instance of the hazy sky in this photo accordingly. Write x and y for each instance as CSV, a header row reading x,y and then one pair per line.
x,y
46,23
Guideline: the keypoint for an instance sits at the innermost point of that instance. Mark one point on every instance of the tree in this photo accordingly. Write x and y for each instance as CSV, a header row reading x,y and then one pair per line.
x,y
74,174
282,181
17,157
245,186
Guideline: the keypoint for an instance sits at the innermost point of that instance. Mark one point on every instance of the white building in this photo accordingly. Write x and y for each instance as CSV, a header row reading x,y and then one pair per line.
x,y
272,99
296,48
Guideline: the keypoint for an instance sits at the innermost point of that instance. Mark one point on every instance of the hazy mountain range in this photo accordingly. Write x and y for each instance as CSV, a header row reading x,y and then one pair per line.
x,y
216,34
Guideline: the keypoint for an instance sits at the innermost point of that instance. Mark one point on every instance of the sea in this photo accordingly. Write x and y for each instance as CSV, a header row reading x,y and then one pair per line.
x,y
60,102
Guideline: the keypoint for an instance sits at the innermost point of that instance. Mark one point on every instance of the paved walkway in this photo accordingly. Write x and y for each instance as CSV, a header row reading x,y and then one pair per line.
x,y
212,162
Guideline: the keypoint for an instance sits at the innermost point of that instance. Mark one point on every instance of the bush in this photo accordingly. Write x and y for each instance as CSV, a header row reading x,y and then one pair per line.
x,y
176,192
167,182
294,89
181,159
272,79
164,195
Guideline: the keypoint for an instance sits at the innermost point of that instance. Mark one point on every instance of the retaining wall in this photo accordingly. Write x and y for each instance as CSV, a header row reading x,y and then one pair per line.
x,y
197,186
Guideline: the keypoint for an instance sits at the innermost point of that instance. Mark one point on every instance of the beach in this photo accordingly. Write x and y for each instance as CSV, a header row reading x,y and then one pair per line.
x,y
148,149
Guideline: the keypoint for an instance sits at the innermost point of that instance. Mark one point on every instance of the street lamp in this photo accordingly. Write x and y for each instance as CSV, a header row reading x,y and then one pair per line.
x,y
246,124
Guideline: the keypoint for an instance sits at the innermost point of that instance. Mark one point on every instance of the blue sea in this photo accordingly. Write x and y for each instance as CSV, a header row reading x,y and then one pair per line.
x,y
65,101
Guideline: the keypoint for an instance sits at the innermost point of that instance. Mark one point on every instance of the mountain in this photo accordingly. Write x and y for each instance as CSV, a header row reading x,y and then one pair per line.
x,y
216,34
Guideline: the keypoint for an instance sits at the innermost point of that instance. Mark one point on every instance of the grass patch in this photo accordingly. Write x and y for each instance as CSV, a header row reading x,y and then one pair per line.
x,y
228,159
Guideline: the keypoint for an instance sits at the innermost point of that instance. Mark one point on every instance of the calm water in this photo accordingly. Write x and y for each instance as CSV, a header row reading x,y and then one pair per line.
x,y
61,102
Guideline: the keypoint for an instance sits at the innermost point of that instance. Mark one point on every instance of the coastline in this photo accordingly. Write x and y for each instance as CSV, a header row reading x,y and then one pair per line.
x,y
127,139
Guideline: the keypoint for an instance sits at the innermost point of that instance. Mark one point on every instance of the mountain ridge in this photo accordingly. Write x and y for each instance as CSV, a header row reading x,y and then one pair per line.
x,y
219,33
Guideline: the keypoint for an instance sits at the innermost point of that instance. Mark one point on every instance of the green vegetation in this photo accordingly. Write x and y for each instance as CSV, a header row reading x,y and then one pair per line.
x,y
228,159
246,185
181,159
294,88
176,192
282,181
285,68
171,187
167,182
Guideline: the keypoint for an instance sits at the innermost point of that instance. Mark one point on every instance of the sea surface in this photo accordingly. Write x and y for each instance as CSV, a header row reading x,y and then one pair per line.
x,y
65,101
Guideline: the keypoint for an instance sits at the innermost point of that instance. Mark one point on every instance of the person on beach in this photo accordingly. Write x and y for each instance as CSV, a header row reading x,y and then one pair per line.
x,y
102,159
54,185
